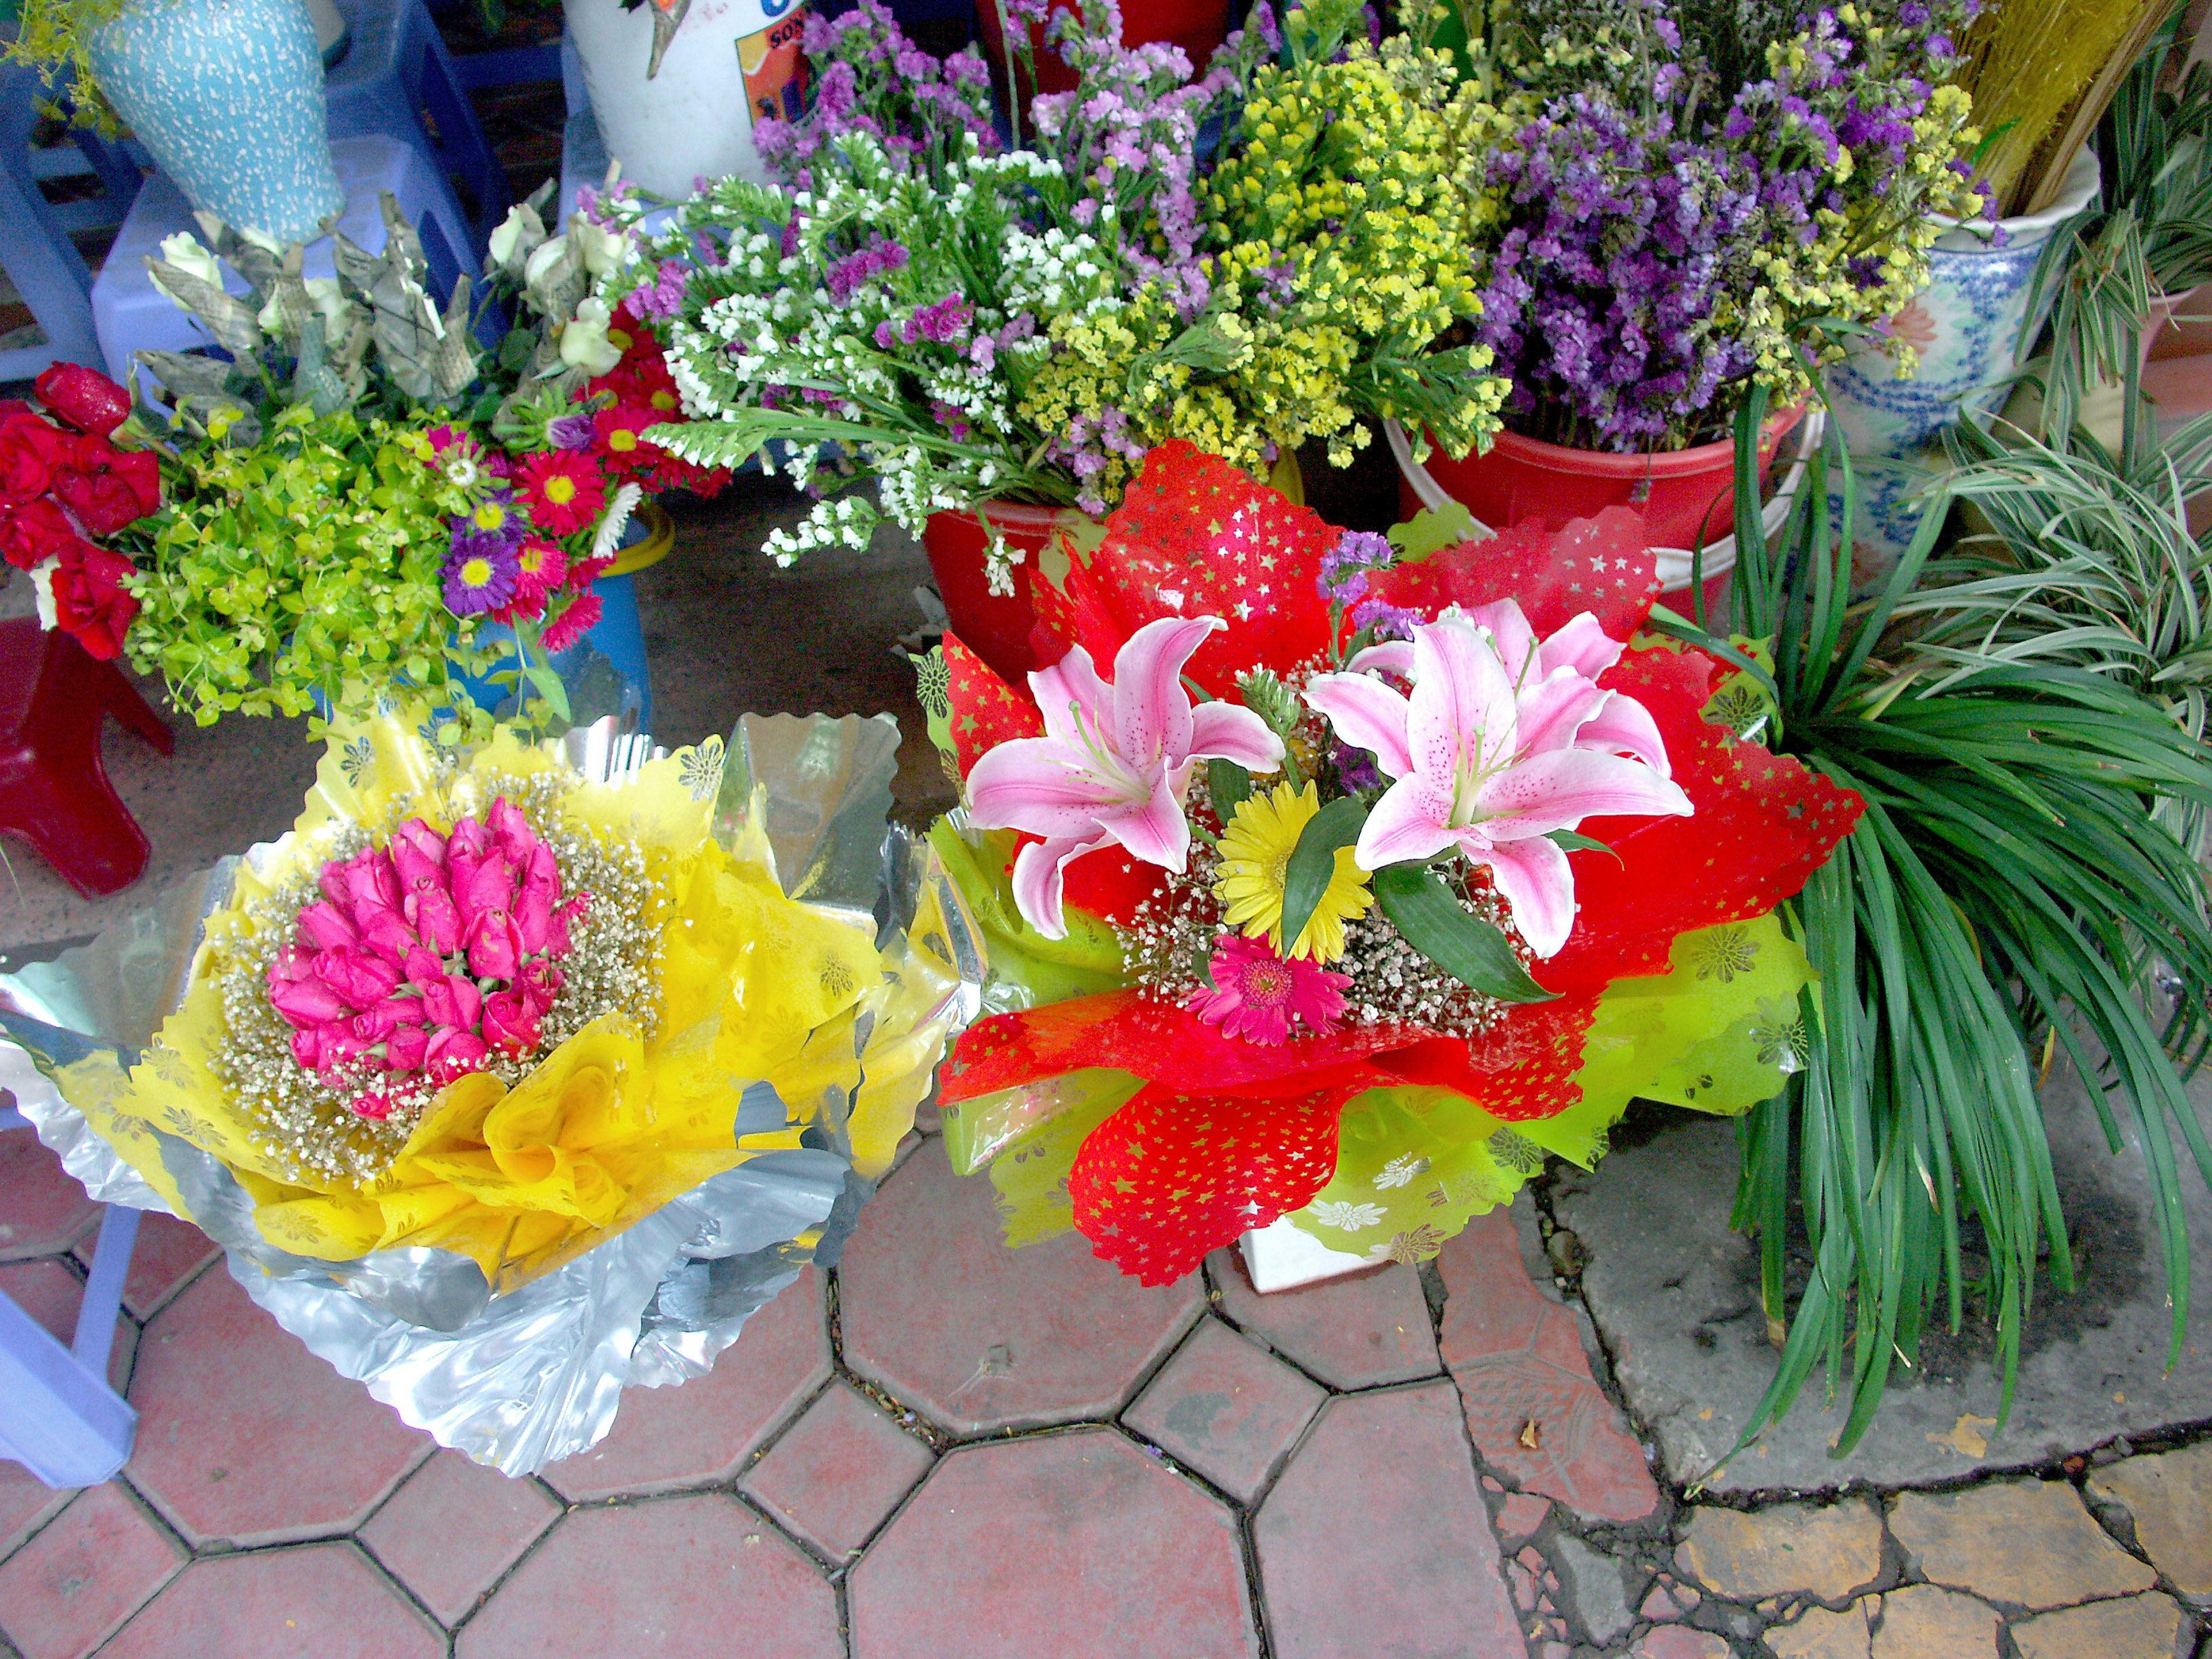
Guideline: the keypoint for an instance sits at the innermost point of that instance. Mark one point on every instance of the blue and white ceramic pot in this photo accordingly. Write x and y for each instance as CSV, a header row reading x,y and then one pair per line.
x,y
227,95
1966,326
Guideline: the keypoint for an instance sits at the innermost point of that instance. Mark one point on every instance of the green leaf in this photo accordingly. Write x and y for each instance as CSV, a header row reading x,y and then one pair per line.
x,y
1569,841
1313,862
1231,785
1473,953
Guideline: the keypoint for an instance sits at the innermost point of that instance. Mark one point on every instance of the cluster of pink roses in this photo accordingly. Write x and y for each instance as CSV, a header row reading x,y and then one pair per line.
x,y
427,956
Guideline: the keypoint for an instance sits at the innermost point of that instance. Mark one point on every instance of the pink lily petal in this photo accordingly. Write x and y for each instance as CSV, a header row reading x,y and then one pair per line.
x,y
1515,639
1406,826
1538,886
1384,657
1153,829
1227,731
1558,790
1463,708
1152,711
1625,726
1583,646
1367,715
1554,711
1072,697
1039,881
1043,785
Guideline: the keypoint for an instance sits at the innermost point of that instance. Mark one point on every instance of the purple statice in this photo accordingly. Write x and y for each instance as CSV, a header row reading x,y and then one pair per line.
x,y
1383,620
1356,769
878,258
1344,568
662,297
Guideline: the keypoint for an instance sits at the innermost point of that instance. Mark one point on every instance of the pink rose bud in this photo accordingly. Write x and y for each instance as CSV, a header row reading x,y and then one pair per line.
x,y
371,880
405,1048
482,886
424,967
362,980
325,925
495,946
377,1107
538,873
307,1047
541,982
516,837
452,999
452,1053
469,837
339,1043
436,919
386,934
305,1001
510,1023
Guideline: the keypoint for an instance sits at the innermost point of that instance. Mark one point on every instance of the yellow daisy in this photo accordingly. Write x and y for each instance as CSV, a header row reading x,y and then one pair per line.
x,y
1256,853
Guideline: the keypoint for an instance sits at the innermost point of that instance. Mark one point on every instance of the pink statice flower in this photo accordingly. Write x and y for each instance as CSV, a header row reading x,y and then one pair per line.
x,y
1256,994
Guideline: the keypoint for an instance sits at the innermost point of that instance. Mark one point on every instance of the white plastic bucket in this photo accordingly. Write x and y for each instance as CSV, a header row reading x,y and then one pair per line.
x,y
730,63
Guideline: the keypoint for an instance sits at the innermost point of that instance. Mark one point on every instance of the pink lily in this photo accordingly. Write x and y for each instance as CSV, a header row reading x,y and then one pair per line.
x,y
1114,762
1503,740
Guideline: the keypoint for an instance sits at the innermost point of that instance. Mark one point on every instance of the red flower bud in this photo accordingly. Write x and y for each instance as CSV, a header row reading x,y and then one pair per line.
x,y
86,398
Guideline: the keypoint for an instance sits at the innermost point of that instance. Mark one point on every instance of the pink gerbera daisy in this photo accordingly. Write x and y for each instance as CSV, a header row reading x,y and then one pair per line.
x,y
1256,994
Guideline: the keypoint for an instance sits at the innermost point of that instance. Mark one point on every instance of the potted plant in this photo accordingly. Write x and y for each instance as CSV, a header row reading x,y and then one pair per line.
x,y
678,90
226,94
992,336
1693,202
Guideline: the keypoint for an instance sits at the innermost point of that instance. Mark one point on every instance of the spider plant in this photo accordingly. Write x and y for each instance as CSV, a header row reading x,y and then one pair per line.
x,y
2008,890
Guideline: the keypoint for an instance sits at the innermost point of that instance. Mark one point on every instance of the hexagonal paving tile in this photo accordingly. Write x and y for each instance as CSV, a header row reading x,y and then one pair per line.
x,y
84,1575
454,1527
837,1472
1536,1414
26,1504
939,1313
168,1253
1225,1407
1375,1539
1066,1543
244,1436
693,1577
42,1210
48,1291
697,1433
1370,1328
325,1601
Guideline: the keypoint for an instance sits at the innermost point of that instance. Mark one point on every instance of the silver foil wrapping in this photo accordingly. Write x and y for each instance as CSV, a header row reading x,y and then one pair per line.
x,y
533,1375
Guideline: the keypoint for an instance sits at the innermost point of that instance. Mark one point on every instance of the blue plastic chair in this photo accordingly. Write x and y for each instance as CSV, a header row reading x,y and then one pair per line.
x,y
398,72
35,249
63,1421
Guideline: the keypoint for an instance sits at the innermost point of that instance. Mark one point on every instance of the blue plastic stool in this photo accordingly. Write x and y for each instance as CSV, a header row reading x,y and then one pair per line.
x,y
397,71
129,314
63,1421
35,249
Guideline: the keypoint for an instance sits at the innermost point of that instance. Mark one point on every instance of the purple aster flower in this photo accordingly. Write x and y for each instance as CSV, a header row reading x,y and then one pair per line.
x,y
479,576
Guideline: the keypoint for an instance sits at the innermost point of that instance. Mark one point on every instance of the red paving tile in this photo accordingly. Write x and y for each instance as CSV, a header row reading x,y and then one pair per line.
x,y
454,1527
1064,1544
324,1601
697,1433
1374,1540
939,1313
51,1294
244,1436
1356,1332
26,1502
1518,1357
168,1253
694,1577
837,1472
91,1569
1519,1516
42,1211
1227,1408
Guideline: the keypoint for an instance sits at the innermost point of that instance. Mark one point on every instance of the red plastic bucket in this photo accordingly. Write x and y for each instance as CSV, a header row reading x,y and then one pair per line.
x,y
1198,29
1686,496
994,626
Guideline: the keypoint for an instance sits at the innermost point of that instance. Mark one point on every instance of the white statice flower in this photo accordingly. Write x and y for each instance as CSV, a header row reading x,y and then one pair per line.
x,y
1346,1217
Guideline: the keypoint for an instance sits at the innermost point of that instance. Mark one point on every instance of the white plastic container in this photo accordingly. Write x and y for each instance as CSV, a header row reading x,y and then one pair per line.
x,y
730,63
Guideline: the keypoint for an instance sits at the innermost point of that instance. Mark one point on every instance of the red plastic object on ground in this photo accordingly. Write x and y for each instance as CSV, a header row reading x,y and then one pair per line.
x,y
54,792
1198,29
996,627
1686,496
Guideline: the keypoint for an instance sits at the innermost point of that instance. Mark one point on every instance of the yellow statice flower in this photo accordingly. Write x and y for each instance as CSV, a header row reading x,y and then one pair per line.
x,y
1255,856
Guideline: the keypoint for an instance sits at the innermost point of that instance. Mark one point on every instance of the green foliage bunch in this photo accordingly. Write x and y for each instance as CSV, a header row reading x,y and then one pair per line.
x,y
304,565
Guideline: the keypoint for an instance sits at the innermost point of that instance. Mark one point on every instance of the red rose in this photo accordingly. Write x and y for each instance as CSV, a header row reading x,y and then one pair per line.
x,y
86,398
89,602
30,449
108,488
34,532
